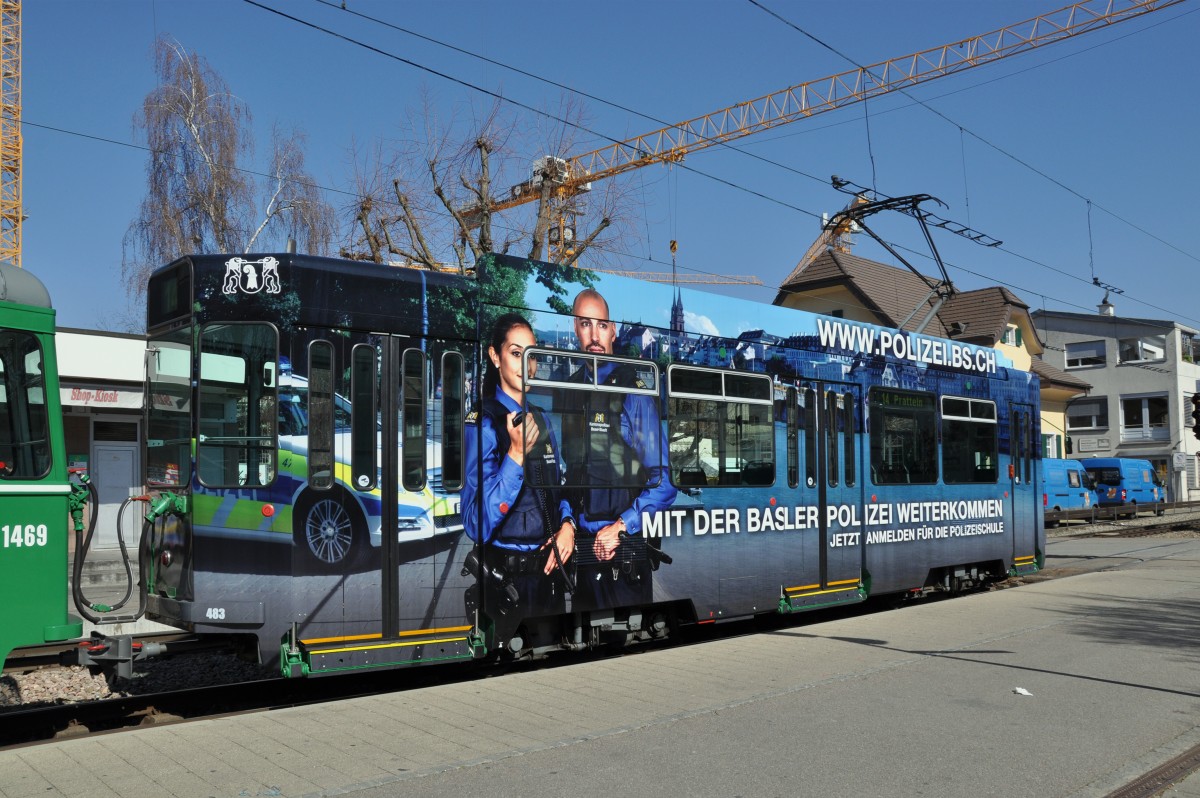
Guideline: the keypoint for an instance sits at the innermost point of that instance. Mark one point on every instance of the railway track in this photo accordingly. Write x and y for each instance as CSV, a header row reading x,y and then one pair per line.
x,y
25,725
1136,527
1097,514
30,724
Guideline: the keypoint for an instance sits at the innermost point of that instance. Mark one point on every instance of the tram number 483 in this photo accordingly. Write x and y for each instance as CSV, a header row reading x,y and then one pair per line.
x,y
23,535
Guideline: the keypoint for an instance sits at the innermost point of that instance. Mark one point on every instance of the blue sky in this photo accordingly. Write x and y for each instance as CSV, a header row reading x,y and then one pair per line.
x,y
1108,117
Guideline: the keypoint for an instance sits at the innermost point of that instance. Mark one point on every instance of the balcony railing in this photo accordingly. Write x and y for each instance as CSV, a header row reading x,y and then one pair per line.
x,y
1155,432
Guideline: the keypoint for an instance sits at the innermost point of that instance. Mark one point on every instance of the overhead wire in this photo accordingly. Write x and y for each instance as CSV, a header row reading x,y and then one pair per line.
x,y
333,190
745,189
623,253
991,144
532,109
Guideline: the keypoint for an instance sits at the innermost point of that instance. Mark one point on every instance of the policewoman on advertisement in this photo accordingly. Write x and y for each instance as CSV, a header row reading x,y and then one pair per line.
x,y
527,527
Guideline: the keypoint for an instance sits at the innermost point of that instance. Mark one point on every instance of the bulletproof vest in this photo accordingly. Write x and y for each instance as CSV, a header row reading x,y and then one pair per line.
x,y
533,517
602,469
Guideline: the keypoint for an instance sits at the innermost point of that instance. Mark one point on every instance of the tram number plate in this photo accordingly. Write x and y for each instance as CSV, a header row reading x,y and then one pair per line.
x,y
215,613
23,535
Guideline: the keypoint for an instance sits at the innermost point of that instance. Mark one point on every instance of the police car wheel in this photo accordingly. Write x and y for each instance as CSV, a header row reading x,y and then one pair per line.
x,y
329,531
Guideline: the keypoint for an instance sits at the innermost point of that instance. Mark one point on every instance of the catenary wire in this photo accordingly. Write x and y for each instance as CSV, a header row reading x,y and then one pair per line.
x,y
993,145
731,184
354,194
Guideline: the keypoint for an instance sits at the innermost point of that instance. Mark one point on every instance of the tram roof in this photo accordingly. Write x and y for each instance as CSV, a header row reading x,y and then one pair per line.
x,y
21,287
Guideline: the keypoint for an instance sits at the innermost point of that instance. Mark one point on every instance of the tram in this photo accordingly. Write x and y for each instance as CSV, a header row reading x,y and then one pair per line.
x,y
34,484
313,429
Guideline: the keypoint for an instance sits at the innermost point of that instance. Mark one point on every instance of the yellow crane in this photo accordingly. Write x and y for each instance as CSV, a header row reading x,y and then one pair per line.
x,y
570,176
10,131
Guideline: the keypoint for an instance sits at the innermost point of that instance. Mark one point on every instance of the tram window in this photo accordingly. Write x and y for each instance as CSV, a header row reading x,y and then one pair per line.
x,y
695,381
320,414
412,447
968,440
848,438
810,437
237,443
453,408
1022,446
832,416
168,409
24,423
586,396
1027,439
903,437
792,411
720,427
364,417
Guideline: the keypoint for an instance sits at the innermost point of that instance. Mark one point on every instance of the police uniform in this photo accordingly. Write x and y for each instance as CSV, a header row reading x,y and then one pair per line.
x,y
614,445
513,519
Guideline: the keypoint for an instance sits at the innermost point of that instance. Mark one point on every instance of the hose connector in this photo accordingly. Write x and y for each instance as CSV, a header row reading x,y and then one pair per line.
x,y
167,503
78,498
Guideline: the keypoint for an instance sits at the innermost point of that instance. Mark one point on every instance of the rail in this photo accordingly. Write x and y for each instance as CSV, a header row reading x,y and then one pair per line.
x,y
1113,512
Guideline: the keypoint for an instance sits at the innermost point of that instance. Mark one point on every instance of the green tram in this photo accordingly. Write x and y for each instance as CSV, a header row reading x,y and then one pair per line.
x,y
34,482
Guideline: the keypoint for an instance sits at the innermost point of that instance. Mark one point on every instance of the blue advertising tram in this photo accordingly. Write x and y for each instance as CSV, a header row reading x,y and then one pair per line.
x,y
349,490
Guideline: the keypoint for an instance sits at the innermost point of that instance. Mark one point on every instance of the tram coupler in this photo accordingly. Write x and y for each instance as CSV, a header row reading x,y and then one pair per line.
x,y
114,655
292,662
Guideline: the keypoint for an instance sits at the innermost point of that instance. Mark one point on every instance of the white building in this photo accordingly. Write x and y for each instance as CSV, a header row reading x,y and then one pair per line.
x,y
101,376
1143,373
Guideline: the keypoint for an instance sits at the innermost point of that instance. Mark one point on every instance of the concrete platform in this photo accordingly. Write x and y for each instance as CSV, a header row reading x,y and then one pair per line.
x,y
918,701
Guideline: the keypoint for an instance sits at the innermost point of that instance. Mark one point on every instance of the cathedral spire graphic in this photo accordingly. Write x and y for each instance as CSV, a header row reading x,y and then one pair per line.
x,y
677,314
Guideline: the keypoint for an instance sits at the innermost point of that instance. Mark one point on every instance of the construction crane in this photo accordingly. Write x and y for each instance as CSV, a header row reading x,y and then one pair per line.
x,y
11,213
570,176
673,279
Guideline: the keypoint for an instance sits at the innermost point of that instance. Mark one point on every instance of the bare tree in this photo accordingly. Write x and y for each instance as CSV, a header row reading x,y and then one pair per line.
x,y
414,199
200,194
292,203
435,209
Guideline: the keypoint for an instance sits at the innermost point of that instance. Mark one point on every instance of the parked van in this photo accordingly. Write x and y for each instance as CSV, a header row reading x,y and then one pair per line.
x,y
1066,485
1124,482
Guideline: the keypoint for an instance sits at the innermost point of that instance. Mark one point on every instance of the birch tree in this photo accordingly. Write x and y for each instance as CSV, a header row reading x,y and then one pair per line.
x,y
203,193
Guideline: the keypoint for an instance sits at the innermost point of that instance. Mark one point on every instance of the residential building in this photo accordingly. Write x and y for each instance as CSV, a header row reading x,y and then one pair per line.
x,y
1143,373
846,286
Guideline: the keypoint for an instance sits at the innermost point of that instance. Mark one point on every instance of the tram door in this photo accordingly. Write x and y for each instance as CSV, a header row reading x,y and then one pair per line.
x,y
831,474
423,404
1024,490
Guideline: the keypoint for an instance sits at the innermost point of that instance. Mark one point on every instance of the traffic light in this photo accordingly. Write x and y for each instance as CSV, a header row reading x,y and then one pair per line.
x,y
1196,414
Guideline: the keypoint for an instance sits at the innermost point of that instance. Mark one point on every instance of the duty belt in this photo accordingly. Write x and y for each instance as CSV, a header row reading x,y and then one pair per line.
x,y
524,562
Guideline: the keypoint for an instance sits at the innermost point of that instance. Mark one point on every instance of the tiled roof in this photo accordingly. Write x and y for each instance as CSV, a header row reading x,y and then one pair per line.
x,y
1057,376
983,313
978,316
895,294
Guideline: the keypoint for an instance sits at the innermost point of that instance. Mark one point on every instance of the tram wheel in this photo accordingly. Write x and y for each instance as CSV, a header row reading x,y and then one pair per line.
x,y
330,531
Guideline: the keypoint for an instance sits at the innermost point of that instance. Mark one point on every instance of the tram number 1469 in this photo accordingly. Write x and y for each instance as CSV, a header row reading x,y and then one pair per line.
x,y
23,535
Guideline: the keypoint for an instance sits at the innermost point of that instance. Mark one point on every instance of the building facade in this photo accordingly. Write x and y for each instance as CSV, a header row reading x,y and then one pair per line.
x,y
1144,373
845,286
102,378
